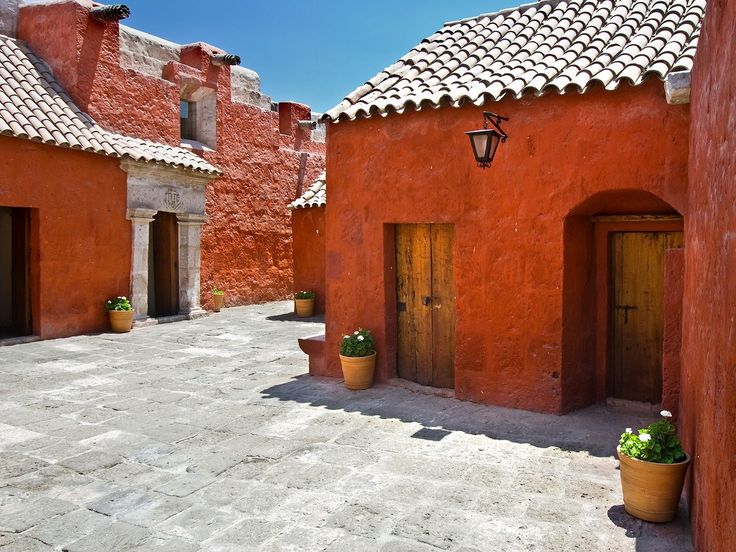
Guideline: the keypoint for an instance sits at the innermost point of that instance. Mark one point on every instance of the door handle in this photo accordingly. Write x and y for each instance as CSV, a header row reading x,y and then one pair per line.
x,y
426,300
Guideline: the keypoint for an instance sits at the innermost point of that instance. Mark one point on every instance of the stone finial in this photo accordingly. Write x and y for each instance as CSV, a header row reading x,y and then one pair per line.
x,y
112,13
677,87
225,59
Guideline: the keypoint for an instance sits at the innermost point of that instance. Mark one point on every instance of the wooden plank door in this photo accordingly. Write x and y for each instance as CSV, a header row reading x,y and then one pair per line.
x,y
426,304
165,245
637,319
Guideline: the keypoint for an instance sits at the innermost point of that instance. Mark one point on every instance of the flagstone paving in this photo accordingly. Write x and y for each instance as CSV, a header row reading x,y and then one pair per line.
x,y
207,435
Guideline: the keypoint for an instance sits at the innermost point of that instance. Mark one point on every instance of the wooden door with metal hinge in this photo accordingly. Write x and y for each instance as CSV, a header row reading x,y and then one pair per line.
x,y
426,304
637,313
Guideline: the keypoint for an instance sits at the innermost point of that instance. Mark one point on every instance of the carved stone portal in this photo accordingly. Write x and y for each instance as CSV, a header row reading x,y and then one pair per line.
x,y
154,188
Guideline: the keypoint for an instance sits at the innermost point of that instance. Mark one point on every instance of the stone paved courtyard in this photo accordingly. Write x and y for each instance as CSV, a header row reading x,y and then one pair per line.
x,y
207,435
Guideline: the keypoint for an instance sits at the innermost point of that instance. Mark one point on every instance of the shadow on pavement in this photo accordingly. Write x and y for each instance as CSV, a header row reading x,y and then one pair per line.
x,y
292,317
595,429
655,537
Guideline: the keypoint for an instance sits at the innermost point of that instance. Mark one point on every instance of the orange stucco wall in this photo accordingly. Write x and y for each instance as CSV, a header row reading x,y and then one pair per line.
x,y
266,158
708,390
308,230
80,239
523,259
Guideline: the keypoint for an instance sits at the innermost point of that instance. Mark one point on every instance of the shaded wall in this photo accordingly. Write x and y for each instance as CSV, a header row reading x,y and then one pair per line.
x,y
80,239
308,229
265,156
509,259
708,395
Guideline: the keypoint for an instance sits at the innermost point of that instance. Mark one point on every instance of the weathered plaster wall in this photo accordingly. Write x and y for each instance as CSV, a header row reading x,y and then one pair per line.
x,y
510,246
674,274
308,229
80,237
266,158
708,400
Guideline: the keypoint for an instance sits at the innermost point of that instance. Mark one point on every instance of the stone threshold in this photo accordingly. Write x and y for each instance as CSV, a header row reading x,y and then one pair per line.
x,y
6,342
424,389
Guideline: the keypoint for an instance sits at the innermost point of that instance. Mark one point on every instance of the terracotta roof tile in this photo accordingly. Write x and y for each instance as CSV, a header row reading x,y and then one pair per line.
x,y
35,107
315,196
552,45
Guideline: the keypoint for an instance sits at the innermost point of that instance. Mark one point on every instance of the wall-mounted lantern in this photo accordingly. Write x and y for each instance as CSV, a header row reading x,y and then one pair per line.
x,y
485,142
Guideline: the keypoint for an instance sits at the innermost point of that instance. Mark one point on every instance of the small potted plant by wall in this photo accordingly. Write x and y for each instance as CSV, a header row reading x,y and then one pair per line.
x,y
304,303
358,359
121,314
218,298
653,468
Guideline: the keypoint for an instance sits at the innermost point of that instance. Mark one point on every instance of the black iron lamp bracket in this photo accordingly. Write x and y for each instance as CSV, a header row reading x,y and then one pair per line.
x,y
495,120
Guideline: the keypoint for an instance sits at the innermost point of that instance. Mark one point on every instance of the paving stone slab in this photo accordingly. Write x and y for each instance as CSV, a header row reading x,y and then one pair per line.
x,y
69,527
18,517
116,537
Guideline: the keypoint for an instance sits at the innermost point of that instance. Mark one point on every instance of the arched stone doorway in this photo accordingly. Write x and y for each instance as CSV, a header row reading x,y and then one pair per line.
x,y
622,300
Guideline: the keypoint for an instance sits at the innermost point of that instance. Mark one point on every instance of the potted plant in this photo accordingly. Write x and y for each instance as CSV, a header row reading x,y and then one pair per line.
x,y
358,359
653,467
121,314
304,303
218,298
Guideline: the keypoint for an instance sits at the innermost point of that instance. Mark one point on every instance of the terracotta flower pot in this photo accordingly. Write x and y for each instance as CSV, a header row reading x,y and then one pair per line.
x,y
304,308
121,321
652,491
217,301
358,371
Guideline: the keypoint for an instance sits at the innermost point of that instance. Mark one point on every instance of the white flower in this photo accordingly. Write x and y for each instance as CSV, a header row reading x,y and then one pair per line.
x,y
346,337
628,430
124,298
666,413
356,332
645,437
361,338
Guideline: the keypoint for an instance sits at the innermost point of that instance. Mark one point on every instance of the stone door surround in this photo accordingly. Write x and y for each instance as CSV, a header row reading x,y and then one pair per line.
x,y
154,188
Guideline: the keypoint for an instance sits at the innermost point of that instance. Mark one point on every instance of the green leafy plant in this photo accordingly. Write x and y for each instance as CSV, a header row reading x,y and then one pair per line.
x,y
119,303
304,295
360,344
657,443
217,291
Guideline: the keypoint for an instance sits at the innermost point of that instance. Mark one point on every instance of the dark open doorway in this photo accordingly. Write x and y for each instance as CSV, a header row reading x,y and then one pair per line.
x,y
15,278
163,266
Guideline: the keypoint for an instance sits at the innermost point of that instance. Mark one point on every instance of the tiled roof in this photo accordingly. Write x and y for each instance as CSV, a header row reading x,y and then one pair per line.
x,y
33,105
552,45
315,196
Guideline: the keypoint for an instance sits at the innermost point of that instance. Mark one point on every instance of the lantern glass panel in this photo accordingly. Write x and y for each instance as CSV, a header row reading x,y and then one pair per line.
x,y
481,144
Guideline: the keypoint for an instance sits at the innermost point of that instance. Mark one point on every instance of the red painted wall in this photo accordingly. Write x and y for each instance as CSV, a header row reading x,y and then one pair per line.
x,y
308,230
80,242
708,394
246,244
514,260
674,274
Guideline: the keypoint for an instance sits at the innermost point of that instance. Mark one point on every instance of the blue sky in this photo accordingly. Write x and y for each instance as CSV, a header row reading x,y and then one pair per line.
x,y
311,51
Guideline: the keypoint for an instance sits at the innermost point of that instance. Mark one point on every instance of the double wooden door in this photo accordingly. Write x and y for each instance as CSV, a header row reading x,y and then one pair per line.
x,y
637,313
426,304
